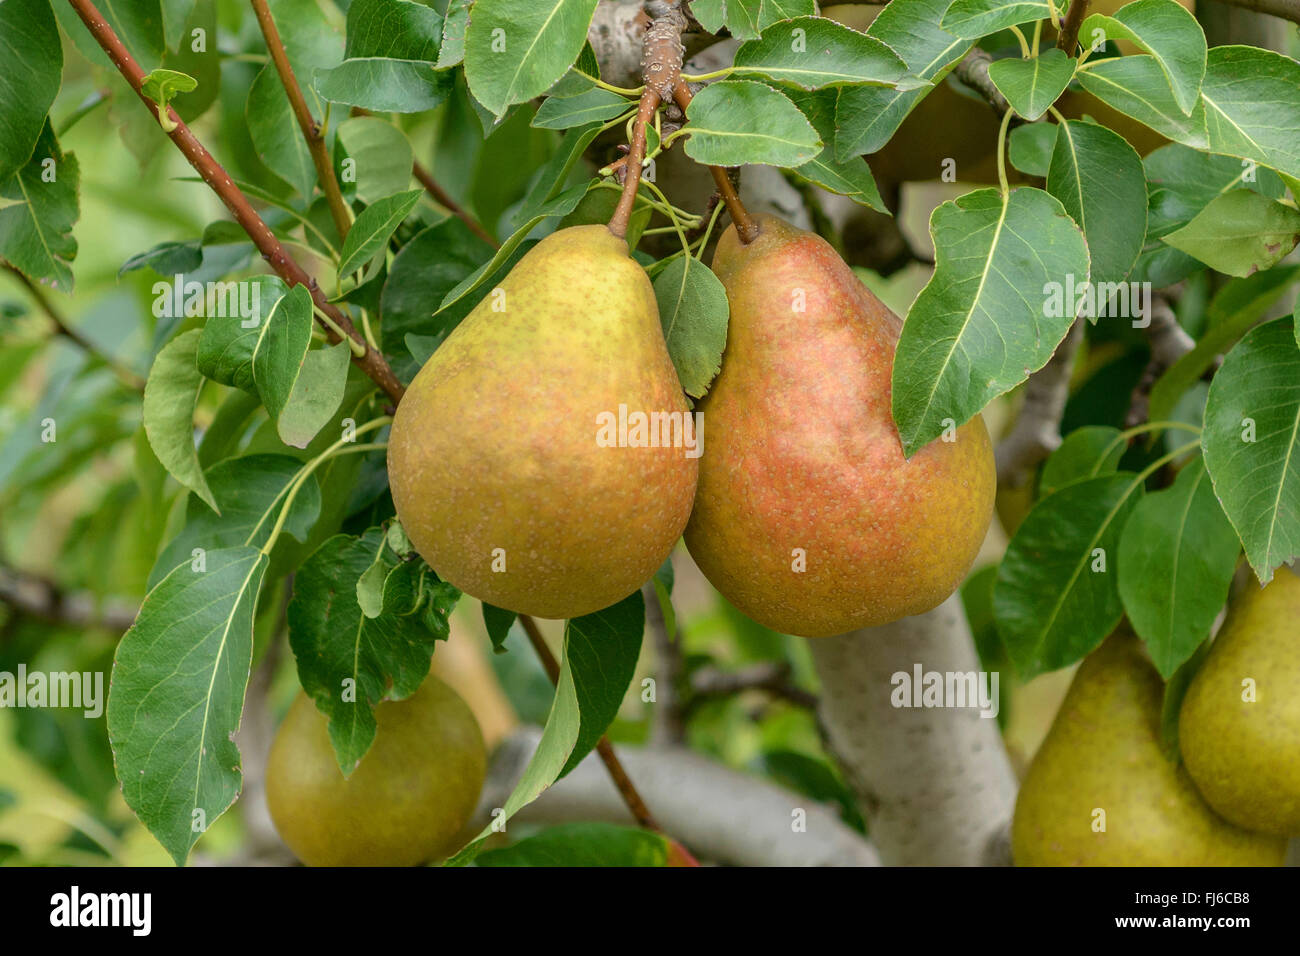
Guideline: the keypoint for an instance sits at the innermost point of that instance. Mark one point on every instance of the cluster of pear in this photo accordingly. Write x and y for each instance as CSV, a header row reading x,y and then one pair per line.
x,y
1102,792
806,515
802,509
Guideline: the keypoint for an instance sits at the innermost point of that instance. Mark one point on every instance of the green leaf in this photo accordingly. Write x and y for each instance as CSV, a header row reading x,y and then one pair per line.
x,y
1085,453
349,661
393,28
374,227
693,310
592,106
1234,310
31,71
282,342
1030,146
427,268
161,85
1176,559
249,491
1239,232
452,50
177,694
734,122
583,844
1098,178
977,18
1137,87
275,133
987,317
1251,109
1252,443
852,177
866,117
381,157
600,652
498,622
515,51
1166,31
561,205
1032,85
225,352
813,52
385,85
38,207
1055,598
170,397
317,394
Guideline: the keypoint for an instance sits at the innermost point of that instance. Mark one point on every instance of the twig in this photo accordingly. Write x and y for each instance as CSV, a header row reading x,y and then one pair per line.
x,y
371,361
1068,38
616,772
443,198
1168,343
633,162
770,676
44,600
1037,431
668,723
128,377
1282,9
311,130
973,71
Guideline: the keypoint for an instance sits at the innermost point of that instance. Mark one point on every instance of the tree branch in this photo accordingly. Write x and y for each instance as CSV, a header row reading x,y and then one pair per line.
x,y
371,361
1282,9
1037,430
128,377
44,600
935,783
443,198
773,677
1168,343
1068,38
668,724
725,815
311,130
973,71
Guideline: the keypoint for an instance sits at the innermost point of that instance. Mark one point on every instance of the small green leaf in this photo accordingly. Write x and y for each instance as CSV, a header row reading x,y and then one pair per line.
x,y
1176,559
734,122
170,397
1032,85
1239,232
498,622
161,85
1252,443
693,310
1085,453
374,227
1030,146
593,106
317,393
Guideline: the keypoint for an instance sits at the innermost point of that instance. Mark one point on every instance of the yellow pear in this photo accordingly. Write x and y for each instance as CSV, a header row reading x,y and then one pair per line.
x,y
1240,724
406,803
807,516
1101,792
516,463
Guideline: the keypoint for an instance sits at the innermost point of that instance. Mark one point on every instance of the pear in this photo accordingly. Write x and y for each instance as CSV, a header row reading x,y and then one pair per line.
x,y
407,802
1101,792
519,467
807,516
1239,728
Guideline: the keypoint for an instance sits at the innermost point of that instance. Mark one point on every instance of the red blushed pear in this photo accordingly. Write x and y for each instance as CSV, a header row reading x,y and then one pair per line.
x,y
499,463
807,516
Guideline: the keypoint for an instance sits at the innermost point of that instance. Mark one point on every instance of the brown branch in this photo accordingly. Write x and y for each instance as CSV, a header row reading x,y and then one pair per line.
x,y
1037,429
1168,343
1282,9
61,327
973,71
772,677
311,130
371,361
668,727
443,198
606,751
1068,39
44,600
633,162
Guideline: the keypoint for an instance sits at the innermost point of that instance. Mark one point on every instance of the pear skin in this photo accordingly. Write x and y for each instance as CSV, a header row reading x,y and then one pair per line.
x,y
807,516
498,462
1101,764
1239,728
406,803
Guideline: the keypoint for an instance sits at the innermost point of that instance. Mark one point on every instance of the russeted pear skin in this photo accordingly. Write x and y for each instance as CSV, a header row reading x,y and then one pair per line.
x,y
406,803
1244,754
807,516
1103,753
500,472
